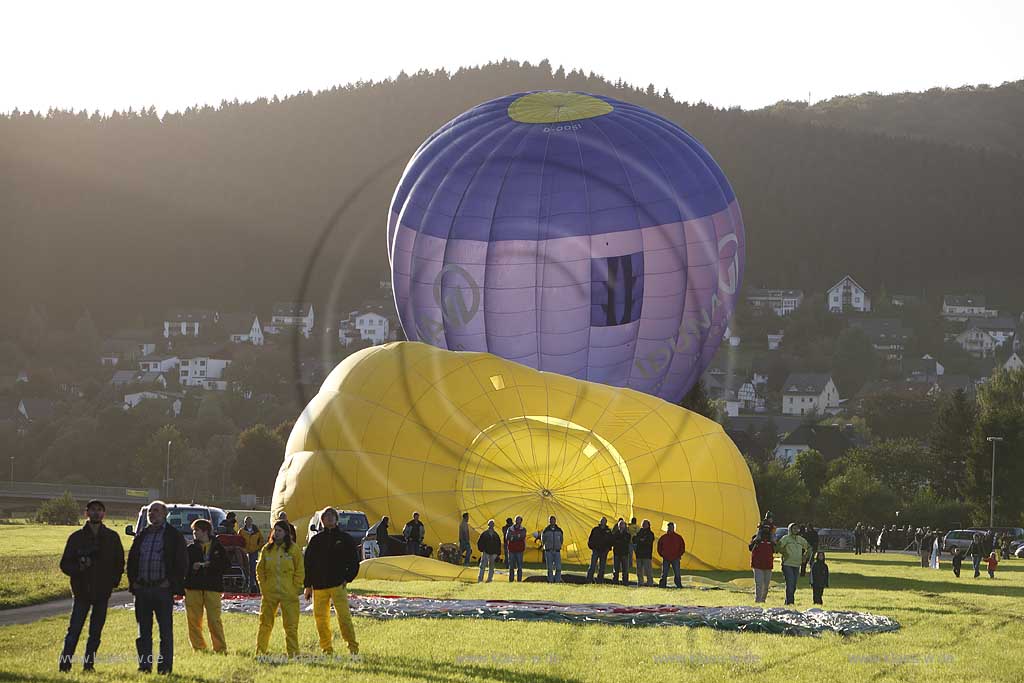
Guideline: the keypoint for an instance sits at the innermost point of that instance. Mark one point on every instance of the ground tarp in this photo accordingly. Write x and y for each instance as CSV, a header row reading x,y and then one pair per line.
x,y
732,618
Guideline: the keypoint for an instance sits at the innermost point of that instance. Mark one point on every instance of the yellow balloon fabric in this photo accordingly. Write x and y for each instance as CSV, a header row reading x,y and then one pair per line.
x,y
415,568
408,427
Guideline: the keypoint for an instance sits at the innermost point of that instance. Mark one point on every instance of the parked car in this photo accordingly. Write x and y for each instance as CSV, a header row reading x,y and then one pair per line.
x,y
352,522
959,538
835,539
180,516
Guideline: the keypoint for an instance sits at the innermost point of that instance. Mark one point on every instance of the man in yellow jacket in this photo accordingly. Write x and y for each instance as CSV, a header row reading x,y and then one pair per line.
x,y
332,561
281,574
253,538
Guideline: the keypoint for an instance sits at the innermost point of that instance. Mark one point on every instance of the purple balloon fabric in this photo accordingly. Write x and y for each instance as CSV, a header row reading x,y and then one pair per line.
x,y
608,248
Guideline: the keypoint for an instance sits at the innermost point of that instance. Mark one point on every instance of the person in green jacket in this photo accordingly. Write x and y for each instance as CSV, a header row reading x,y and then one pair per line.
x,y
794,551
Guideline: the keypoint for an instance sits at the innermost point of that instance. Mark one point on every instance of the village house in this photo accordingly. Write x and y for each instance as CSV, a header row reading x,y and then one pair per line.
x,y
960,307
158,362
888,336
182,322
809,392
293,315
204,368
133,399
832,441
847,296
782,302
242,328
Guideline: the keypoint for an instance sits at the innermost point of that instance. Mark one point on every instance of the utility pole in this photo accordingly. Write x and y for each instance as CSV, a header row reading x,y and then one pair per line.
x,y
167,478
992,500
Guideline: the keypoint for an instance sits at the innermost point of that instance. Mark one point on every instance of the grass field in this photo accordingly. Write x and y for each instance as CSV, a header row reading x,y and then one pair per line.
x,y
960,629
30,562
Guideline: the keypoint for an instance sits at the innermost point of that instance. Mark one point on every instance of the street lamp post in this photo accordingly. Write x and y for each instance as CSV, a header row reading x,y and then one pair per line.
x,y
12,469
167,479
992,500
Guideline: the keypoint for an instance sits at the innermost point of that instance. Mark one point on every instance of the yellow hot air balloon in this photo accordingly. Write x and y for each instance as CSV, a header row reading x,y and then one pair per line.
x,y
408,427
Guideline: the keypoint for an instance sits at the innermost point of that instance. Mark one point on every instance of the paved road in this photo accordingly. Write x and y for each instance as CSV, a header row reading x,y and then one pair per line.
x,y
26,615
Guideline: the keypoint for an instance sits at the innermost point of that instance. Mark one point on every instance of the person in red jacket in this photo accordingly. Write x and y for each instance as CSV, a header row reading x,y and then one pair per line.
x,y
671,547
762,558
993,562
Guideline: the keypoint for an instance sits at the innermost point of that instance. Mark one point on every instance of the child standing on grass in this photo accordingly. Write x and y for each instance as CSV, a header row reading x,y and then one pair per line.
x,y
992,562
819,577
958,559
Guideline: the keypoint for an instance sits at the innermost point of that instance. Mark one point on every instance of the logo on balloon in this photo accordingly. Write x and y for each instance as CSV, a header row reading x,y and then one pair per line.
x,y
456,311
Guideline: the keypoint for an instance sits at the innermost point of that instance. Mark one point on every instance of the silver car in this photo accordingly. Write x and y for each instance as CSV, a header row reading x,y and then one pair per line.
x,y
959,538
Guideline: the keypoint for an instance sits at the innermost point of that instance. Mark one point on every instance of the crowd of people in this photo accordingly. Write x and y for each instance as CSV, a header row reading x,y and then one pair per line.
x,y
160,565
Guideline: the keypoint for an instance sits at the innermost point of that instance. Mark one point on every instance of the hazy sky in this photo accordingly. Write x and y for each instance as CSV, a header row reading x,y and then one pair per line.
x,y
111,55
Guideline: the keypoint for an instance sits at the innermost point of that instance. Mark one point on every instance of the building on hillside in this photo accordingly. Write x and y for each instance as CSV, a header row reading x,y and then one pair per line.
x,y
888,336
925,370
36,409
204,368
1002,329
373,325
960,307
804,393
1014,362
123,351
123,378
976,342
136,397
184,322
158,362
905,300
832,441
847,296
242,328
782,302
293,315
775,340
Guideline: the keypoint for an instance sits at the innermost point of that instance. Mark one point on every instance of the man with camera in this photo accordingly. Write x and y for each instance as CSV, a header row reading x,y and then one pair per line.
x,y
94,559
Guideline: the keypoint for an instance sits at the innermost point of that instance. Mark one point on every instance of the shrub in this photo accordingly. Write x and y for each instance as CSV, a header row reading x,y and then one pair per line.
x,y
63,510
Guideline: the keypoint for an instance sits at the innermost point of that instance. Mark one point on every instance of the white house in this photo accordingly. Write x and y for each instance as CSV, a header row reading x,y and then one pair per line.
x,y
782,302
286,316
135,398
775,341
809,392
1001,329
366,325
846,295
976,342
181,322
242,328
204,368
158,362
960,307
1013,363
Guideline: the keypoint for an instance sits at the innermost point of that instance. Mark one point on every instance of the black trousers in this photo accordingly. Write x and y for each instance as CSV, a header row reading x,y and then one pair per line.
x,y
80,609
818,591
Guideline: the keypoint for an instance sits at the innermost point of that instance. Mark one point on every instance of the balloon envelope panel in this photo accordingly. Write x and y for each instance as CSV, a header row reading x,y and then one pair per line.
x,y
573,233
408,427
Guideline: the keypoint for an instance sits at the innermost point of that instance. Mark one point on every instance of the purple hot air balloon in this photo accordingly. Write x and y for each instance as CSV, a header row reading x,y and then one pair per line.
x,y
573,233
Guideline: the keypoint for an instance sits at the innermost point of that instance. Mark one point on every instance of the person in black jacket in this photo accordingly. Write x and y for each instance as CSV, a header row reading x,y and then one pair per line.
x,y
156,573
94,559
332,561
600,542
204,583
644,542
620,552
977,551
810,535
489,545
413,533
819,577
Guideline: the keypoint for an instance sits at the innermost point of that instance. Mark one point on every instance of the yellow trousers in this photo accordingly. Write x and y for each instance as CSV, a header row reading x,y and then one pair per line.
x,y
322,598
289,605
196,602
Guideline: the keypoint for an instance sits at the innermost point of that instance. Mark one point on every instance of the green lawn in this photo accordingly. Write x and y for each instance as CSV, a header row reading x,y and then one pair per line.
x,y
30,562
953,629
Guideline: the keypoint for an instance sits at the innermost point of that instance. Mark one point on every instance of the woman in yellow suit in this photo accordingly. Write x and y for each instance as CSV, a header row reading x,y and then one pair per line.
x,y
281,575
